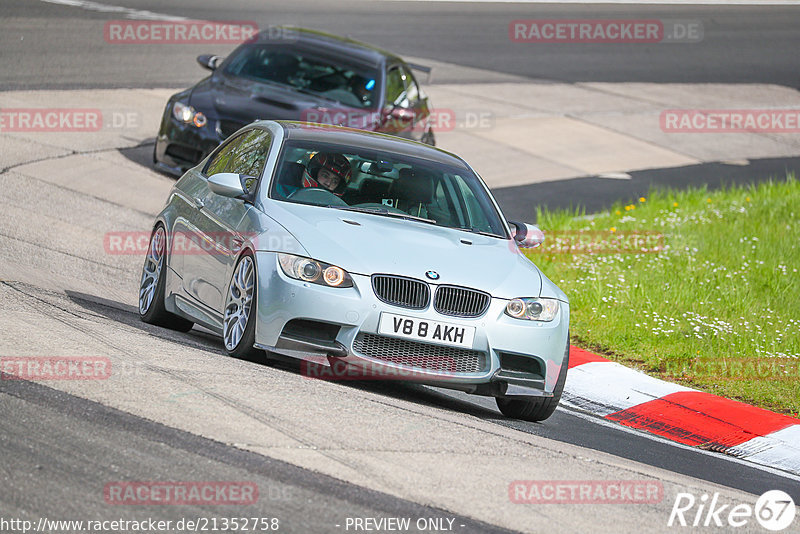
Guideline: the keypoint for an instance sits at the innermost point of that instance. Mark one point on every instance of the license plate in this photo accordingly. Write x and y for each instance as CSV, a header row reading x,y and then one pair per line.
x,y
426,330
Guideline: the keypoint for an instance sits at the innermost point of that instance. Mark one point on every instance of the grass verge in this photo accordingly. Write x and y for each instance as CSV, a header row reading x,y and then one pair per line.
x,y
696,287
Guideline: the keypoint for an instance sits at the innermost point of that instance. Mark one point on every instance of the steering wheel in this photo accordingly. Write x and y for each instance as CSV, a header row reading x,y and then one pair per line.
x,y
316,195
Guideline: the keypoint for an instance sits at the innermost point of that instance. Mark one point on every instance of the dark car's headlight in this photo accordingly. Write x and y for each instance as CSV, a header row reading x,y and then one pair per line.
x,y
532,309
314,271
188,114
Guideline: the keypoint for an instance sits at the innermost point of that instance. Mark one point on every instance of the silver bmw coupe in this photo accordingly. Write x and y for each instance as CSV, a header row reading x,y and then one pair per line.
x,y
363,255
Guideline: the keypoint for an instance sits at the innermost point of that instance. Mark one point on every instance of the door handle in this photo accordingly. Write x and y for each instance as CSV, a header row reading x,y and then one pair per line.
x,y
198,203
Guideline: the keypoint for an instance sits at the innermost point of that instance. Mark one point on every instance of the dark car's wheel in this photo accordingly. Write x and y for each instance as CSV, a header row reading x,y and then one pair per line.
x,y
153,286
239,322
537,409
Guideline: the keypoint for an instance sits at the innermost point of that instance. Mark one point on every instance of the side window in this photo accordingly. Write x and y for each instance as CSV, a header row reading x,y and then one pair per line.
x,y
220,161
395,86
245,155
476,208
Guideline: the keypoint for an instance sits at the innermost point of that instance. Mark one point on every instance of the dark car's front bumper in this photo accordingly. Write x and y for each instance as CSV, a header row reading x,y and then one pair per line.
x,y
180,146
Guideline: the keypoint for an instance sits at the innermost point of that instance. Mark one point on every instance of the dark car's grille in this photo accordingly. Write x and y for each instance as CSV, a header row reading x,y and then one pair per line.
x,y
183,153
460,301
228,128
404,292
420,355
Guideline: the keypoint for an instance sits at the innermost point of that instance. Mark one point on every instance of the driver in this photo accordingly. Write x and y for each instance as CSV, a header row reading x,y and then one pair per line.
x,y
328,171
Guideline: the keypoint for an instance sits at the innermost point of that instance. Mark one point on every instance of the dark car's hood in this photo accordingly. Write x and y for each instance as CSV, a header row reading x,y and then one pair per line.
x,y
242,101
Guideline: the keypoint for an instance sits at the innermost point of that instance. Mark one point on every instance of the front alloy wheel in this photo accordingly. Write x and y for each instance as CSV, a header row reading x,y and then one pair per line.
x,y
239,323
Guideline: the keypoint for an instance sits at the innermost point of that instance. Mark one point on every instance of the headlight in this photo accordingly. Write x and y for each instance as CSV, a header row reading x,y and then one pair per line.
x,y
314,271
187,114
532,309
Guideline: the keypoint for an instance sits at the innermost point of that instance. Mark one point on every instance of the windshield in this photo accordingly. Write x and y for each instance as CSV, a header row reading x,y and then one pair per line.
x,y
385,184
347,85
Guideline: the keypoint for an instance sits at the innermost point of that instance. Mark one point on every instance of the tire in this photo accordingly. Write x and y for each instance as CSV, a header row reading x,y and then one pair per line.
x,y
239,315
537,409
153,286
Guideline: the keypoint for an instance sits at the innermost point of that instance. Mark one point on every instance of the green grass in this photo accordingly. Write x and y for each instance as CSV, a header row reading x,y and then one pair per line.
x,y
717,308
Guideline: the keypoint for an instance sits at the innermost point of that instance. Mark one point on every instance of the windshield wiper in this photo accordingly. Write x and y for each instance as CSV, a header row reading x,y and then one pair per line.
x,y
313,93
476,231
384,212
356,208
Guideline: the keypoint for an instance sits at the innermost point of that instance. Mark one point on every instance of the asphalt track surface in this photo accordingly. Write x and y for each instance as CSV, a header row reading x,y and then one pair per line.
x,y
50,46
53,442
65,444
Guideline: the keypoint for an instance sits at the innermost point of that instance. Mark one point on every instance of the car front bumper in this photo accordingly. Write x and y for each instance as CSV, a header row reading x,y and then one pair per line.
x,y
482,369
180,146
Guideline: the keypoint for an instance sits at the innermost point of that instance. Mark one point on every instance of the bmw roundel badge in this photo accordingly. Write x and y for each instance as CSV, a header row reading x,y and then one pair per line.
x,y
433,275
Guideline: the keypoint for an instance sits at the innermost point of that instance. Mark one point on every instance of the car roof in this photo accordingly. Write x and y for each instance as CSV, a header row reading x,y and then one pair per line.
x,y
327,43
326,133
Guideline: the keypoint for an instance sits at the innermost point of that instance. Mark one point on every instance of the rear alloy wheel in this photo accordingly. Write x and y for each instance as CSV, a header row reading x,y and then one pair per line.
x,y
152,287
239,322
536,409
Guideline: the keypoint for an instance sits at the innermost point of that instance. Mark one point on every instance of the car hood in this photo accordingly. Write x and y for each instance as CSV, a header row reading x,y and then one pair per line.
x,y
242,101
368,244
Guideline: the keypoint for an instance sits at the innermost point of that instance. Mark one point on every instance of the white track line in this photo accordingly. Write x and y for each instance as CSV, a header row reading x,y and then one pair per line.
x,y
129,13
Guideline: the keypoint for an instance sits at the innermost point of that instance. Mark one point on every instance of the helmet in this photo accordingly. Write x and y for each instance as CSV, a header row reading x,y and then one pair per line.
x,y
335,163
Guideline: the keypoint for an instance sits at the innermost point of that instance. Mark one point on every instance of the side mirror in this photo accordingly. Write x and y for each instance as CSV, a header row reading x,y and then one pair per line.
x,y
227,184
209,61
527,235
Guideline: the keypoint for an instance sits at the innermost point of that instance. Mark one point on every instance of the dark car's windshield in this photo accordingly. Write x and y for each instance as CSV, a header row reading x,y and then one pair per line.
x,y
345,84
386,184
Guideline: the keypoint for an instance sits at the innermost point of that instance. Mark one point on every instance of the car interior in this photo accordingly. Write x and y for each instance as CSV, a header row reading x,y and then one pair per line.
x,y
393,187
298,70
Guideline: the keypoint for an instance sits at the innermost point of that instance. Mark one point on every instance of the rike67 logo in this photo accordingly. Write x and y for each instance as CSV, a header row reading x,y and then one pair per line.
x,y
774,510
